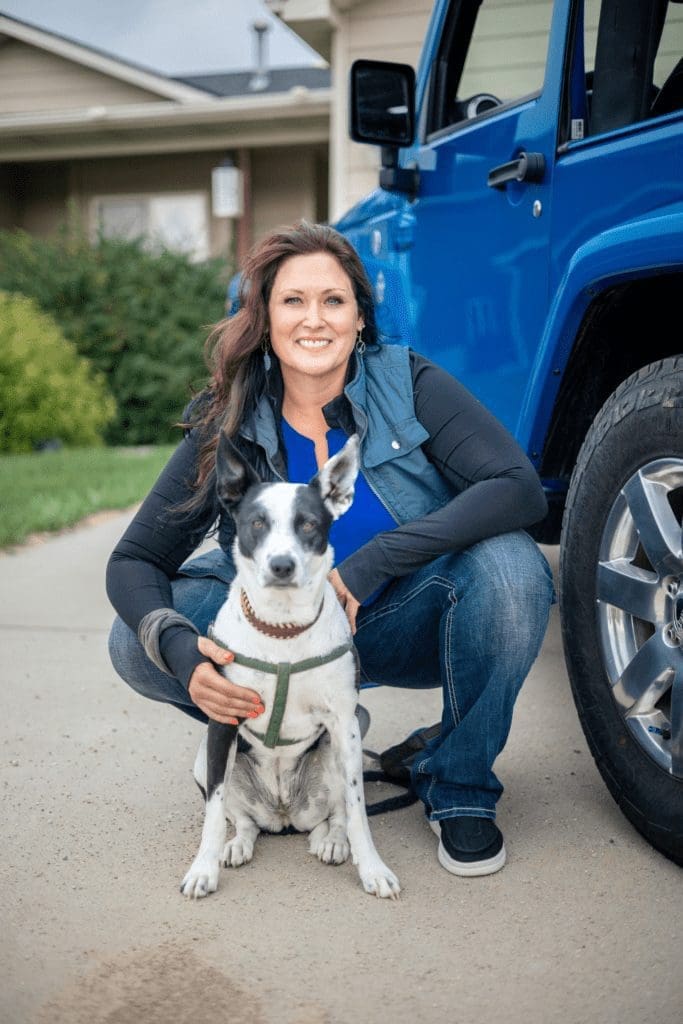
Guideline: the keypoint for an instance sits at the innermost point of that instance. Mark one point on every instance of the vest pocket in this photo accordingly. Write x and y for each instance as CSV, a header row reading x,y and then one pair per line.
x,y
395,442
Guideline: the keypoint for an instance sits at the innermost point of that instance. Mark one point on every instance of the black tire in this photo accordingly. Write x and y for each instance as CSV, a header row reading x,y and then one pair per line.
x,y
621,611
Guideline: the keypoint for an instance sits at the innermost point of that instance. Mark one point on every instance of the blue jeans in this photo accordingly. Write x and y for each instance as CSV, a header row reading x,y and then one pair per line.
x,y
472,623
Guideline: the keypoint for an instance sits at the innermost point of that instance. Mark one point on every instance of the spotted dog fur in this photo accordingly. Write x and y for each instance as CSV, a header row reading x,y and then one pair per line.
x,y
283,557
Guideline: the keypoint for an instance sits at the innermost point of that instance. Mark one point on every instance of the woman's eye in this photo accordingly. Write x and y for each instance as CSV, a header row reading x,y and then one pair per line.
x,y
292,299
336,300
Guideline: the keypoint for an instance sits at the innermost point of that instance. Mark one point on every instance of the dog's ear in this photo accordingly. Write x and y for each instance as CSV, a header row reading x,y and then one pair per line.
x,y
337,478
234,475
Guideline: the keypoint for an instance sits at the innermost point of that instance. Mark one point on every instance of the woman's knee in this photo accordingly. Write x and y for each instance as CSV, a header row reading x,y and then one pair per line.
x,y
507,585
135,668
122,643
512,566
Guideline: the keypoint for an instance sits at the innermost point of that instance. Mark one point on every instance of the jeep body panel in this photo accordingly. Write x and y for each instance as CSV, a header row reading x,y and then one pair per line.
x,y
646,246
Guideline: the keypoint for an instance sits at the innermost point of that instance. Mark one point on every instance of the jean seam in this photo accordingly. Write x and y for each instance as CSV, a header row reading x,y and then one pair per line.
x,y
376,616
465,811
450,682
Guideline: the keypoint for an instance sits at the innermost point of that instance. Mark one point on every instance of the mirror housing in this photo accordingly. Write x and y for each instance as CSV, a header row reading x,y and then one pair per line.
x,y
382,103
382,113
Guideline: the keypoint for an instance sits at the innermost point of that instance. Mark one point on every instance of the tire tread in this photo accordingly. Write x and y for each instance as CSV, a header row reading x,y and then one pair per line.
x,y
660,384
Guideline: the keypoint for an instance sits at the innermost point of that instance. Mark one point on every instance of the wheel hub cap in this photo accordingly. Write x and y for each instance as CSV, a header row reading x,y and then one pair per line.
x,y
640,608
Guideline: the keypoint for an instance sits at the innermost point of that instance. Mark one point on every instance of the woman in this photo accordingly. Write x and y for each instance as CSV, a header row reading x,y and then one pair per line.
x,y
440,584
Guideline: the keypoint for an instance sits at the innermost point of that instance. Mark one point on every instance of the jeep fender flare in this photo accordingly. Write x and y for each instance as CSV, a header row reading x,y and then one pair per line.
x,y
644,247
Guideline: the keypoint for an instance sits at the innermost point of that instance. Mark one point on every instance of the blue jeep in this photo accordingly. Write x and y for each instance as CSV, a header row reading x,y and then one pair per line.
x,y
528,235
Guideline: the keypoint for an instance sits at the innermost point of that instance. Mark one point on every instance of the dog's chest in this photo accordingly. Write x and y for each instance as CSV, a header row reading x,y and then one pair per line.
x,y
301,698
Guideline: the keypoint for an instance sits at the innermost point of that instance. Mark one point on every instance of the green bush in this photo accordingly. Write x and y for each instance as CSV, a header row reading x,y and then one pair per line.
x,y
46,389
140,317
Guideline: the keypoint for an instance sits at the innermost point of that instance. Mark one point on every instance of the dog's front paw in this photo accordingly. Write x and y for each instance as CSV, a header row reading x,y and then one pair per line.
x,y
330,845
379,881
238,850
201,879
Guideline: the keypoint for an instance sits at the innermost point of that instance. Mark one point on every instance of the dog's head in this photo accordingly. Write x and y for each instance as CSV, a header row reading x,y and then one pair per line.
x,y
283,529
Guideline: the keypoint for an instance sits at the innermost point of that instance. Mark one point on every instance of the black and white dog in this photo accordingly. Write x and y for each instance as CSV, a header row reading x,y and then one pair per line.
x,y
292,645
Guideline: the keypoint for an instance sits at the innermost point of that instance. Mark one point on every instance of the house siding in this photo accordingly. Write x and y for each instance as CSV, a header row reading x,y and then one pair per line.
x,y
33,80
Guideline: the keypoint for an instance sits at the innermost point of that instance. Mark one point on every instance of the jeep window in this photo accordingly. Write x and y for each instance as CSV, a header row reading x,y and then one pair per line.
x,y
491,53
633,69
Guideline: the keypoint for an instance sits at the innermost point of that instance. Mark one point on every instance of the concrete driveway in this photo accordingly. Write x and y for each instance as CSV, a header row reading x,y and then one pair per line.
x,y
102,818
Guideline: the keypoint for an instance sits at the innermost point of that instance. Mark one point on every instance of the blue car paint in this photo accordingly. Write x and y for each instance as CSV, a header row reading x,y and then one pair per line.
x,y
467,275
645,246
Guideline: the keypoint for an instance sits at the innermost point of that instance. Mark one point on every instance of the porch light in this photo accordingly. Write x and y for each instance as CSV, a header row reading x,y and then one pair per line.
x,y
227,190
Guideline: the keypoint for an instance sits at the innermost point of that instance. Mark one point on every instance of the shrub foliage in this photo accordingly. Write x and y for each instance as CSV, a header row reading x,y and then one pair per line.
x,y
140,317
46,389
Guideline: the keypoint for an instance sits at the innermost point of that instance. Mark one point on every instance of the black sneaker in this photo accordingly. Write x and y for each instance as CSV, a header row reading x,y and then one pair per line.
x,y
469,846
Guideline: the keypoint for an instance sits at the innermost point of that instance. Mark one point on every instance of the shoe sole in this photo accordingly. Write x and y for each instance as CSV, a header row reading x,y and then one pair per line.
x,y
467,869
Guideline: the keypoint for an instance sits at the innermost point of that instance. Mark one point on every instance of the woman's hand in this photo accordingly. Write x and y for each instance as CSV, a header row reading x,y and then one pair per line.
x,y
346,598
217,697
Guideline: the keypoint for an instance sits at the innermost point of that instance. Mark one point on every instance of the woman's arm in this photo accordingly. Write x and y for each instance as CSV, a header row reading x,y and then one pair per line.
x,y
498,488
147,557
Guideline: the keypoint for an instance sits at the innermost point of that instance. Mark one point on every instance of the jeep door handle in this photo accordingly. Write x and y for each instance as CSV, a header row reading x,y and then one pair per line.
x,y
527,167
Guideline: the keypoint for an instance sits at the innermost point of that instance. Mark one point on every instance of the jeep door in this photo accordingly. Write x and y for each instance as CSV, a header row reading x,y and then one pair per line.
x,y
487,131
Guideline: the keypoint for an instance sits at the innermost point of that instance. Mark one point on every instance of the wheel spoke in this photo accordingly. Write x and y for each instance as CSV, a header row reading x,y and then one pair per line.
x,y
677,724
632,589
658,529
644,674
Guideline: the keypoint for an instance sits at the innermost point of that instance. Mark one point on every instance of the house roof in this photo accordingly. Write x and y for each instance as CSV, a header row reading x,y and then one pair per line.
x,y
98,60
239,83
184,114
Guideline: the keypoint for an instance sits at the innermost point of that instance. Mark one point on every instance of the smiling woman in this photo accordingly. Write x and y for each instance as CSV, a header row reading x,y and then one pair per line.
x,y
430,552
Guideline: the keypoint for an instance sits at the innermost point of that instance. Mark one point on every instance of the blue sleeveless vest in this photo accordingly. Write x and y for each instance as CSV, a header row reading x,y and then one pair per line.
x,y
392,461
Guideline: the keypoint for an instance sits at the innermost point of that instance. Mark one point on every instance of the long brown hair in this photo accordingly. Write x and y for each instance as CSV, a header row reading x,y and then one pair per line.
x,y
234,346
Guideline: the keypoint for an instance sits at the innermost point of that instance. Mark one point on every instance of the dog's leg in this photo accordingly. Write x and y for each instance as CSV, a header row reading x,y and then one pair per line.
x,y
328,841
199,770
202,878
375,876
240,849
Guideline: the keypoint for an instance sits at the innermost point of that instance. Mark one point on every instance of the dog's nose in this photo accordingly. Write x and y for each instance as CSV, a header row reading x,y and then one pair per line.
x,y
282,567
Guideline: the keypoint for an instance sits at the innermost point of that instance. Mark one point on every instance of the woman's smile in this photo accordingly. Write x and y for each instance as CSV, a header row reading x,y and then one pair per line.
x,y
313,318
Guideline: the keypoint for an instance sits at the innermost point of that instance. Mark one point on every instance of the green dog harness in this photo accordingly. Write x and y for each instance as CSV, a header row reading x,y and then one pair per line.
x,y
283,670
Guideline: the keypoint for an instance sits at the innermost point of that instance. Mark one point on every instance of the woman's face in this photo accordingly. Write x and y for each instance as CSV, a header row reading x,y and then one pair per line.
x,y
314,317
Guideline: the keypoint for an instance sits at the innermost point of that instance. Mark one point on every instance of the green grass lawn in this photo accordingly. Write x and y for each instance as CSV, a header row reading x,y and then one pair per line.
x,y
50,490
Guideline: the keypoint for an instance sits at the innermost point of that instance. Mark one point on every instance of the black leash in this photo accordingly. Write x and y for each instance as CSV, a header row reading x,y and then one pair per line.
x,y
392,803
394,766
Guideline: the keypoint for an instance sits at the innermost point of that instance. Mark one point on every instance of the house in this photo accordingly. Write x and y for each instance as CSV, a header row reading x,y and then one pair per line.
x,y
134,150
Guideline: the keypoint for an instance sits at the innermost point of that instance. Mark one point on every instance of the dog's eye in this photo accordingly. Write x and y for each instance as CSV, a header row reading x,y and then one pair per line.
x,y
257,524
308,527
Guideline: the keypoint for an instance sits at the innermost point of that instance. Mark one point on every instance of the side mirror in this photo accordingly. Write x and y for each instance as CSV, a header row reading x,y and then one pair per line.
x,y
382,103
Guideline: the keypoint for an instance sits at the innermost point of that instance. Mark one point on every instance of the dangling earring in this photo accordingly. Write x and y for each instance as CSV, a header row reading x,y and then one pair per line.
x,y
360,344
265,348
